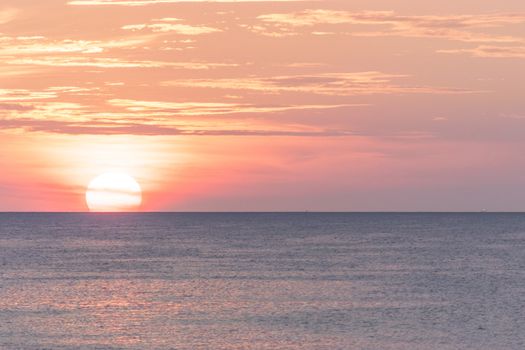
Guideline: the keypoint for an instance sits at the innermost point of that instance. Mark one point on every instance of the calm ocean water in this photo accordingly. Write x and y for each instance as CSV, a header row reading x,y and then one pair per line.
x,y
262,281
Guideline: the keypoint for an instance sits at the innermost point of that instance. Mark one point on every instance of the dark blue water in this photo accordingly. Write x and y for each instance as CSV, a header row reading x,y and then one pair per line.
x,y
262,281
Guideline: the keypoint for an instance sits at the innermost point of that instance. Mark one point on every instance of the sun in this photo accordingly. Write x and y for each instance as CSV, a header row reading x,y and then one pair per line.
x,y
112,192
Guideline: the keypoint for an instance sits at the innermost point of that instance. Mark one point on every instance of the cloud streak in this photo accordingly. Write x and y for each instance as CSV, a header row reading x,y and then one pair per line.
x,y
15,107
111,62
136,117
451,27
99,128
334,84
212,108
488,51
40,45
157,2
17,95
170,25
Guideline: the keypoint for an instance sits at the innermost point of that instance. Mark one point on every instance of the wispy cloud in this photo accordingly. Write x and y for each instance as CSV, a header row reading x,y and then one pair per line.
x,y
450,27
322,16
211,108
165,25
491,51
336,84
135,117
106,62
40,45
89,128
15,107
156,2
35,45
24,111
45,110
17,95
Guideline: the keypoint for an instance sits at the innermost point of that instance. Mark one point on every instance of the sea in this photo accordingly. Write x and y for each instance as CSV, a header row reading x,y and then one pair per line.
x,y
309,281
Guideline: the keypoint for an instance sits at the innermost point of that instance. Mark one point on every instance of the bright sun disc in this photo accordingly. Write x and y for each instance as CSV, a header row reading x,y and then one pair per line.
x,y
113,192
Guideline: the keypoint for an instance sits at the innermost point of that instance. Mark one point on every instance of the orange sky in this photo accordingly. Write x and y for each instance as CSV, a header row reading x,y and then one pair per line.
x,y
264,105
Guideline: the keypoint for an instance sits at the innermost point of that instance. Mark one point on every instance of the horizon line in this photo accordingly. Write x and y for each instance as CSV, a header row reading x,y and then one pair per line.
x,y
271,212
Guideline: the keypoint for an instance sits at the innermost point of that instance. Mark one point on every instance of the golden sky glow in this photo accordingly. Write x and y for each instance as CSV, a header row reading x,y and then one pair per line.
x,y
264,105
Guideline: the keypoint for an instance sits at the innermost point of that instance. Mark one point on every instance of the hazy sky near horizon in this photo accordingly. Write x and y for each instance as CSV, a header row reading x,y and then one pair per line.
x,y
264,105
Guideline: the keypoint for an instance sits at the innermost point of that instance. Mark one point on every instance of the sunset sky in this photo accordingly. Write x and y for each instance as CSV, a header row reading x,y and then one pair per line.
x,y
340,105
